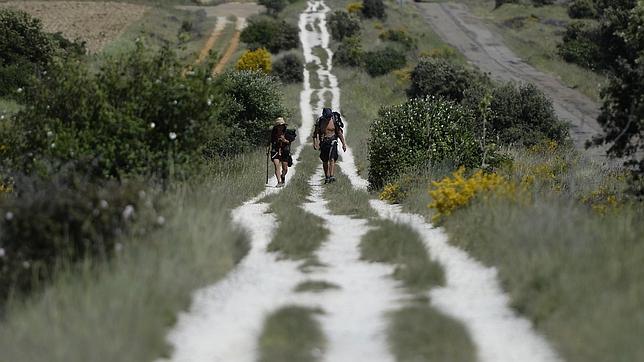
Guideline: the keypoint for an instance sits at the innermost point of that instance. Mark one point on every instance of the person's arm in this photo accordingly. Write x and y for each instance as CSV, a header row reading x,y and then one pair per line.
x,y
341,137
316,135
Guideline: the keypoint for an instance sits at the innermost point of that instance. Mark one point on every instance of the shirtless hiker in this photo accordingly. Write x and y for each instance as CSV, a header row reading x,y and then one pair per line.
x,y
328,130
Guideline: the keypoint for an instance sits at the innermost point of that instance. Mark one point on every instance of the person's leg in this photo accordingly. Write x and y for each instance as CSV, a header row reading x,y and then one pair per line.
x,y
325,166
331,168
278,170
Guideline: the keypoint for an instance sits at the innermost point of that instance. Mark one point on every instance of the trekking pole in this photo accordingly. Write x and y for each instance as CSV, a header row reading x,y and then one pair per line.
x,y
267,166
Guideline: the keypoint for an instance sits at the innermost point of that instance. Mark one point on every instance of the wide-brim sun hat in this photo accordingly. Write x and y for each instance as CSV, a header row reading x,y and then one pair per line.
x,y
279,121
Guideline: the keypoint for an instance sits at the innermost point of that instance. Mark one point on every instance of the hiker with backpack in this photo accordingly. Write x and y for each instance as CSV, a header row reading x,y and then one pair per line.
x,y
279,149
327,132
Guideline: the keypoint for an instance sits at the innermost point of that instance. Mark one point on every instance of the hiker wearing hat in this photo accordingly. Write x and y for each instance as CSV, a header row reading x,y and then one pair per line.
x,y
327,132
280,151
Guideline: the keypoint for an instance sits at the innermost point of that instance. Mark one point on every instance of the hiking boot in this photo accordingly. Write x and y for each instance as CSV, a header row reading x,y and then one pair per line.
x,y
331,179
283,179
280,184
326,180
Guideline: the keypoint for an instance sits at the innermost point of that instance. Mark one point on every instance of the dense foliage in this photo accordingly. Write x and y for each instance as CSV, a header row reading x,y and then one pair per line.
x,y
343,25
349,52
441,78
273,34
622,114
582,9
401,36
421,132
26,50
274,6
382,61
258,59
288,68
373,9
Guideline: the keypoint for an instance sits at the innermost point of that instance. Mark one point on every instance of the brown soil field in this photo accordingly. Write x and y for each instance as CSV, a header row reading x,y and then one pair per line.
x,y
97,23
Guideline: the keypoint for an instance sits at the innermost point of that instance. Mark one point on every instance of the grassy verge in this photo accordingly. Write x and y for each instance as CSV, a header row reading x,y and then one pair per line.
x,y
299,233
345,200
567,245
417,332
120,311
533,33
291,334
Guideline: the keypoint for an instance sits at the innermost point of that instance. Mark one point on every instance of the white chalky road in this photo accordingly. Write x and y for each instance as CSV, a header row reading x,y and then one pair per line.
x,y
225,319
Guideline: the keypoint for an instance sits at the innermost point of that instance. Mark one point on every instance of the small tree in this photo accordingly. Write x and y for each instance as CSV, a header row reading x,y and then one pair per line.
x,y
383,61
289,68
273,6
440,78
343,25
349,52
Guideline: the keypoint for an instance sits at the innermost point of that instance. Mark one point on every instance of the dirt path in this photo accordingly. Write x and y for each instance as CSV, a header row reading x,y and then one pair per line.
x,y
226,319
458,27
210,43
232,47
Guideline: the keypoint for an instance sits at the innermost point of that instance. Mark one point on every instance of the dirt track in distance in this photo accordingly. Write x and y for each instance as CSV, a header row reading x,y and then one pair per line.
x,y
458,27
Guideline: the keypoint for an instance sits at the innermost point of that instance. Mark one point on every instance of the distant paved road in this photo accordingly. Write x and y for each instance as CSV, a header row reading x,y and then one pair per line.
x,y
458,27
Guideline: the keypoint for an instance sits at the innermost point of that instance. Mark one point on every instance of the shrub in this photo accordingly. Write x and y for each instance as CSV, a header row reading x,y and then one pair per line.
x,y
349,52
457,191
354,8
139,115
519,115
272,34
580,9
542,2
419,132
581,46
373,9
444,52
383,61
399,36
25,49
289,68
343,25
67,218
258,59
274,6
441,78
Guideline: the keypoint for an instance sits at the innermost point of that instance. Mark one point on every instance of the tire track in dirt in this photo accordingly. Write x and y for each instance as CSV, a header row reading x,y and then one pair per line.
x,y
458,27
232,47
214,36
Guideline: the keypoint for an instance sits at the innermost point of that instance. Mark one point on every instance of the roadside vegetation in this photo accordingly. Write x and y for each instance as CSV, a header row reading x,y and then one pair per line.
x,y
292,334
560,228
118,172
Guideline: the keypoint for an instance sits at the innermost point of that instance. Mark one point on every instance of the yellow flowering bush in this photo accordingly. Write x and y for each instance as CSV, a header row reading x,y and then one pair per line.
x,y
602,200
259,59
403,76
456,191
392,193
355,8
444,52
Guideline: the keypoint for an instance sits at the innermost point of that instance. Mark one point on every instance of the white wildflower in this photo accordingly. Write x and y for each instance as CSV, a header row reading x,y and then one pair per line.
x,y
26,264
128,212
158,81
118,247
2,117
152,125
142,194
103,204
50,133
175,102
53,145
172,136
8,216
19,90
160,220
209,102
209,79
2,253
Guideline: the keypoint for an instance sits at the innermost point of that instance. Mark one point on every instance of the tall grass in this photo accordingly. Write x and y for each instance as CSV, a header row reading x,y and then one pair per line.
x,y
292,334
121,310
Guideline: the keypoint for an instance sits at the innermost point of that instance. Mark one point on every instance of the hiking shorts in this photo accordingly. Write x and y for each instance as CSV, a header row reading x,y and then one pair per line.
x,y
284,157
329,150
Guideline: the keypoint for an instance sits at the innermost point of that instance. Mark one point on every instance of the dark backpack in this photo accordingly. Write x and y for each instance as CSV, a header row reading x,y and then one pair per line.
x,y
290,135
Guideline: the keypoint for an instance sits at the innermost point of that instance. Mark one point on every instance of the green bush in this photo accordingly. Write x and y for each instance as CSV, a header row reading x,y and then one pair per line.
x,y
520,115
582,9
349,52
272,34
373,9
581,46
442,78
67,218
139,115
343,25
399,36
383,61
420,132
26,50
542,2
289,68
